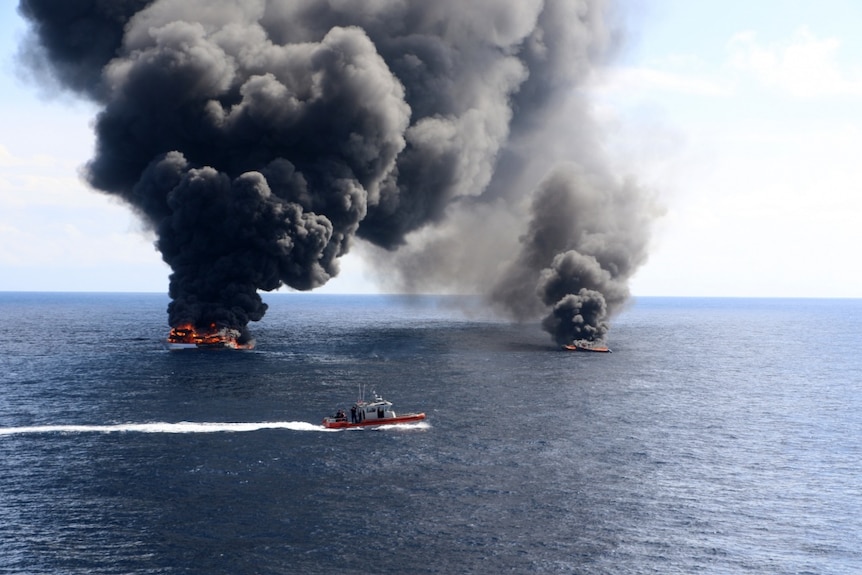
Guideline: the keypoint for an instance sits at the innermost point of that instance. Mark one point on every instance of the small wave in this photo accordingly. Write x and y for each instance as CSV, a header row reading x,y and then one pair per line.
x,y
161,427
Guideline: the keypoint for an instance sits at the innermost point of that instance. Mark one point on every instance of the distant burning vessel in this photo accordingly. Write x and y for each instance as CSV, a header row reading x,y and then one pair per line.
x,y
586,346
187,337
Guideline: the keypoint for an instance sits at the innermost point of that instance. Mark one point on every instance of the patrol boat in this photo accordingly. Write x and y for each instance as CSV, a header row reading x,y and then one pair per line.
x,y
366,413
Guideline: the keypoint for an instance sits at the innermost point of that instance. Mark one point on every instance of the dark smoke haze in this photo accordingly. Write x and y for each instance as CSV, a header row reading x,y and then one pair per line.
x,y
260,139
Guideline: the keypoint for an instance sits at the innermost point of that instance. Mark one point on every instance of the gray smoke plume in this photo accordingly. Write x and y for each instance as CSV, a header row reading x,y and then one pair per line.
x,y
260,138
585,239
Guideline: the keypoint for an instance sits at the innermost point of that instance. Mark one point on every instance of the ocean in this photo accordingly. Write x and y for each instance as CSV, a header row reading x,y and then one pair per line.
x,y
720,436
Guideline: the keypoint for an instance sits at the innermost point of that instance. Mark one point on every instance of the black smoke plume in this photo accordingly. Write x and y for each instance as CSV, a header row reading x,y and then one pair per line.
x,y
260,139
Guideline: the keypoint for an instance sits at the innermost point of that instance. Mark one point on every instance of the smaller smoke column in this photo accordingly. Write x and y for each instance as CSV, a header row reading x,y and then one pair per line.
x,y
586,237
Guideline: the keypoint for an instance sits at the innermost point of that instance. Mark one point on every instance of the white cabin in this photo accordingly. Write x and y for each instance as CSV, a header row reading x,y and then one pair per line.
x,y
379,408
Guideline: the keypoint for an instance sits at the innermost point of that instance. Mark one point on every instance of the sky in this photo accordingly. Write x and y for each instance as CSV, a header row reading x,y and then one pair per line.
x,y
743,117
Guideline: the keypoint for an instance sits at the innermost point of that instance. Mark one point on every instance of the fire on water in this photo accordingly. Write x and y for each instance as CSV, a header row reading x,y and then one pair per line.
x,y
186,336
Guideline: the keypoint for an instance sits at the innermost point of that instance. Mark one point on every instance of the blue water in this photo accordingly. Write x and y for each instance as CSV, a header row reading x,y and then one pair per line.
x,y
721,436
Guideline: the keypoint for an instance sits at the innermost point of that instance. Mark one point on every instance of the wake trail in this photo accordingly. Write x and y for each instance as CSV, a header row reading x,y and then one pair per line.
x,y
162,427
403,426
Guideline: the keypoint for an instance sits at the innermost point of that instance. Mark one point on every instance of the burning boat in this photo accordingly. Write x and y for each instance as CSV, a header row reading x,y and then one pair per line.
x,y
186,336
584,345
365,413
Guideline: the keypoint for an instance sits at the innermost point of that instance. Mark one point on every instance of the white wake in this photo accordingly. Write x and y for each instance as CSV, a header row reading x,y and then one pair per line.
x,y
161,427
402,426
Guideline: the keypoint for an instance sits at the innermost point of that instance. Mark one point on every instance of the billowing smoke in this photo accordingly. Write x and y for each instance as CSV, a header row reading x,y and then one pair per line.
x,y
585,239
261,139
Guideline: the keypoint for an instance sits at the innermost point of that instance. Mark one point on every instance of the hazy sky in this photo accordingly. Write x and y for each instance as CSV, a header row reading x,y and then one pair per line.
x,y
744,117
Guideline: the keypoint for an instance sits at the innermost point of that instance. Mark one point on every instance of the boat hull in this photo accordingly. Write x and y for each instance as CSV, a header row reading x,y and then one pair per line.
x,y
175,346
573,347
332,423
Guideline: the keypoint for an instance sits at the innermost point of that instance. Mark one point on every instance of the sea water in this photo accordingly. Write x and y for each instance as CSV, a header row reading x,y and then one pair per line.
x,y
720,436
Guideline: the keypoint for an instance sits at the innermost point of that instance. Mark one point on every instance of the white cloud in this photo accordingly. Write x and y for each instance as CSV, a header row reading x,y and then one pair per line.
x,y
641,80
8,160
756,153
31,182
55,229
804,67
